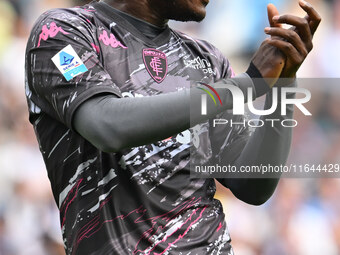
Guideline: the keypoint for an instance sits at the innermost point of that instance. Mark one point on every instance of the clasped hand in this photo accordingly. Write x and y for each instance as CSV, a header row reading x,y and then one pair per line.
x,y
281,55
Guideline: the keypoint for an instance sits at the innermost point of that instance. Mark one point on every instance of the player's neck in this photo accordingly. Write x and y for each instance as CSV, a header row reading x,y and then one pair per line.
x,y
139,9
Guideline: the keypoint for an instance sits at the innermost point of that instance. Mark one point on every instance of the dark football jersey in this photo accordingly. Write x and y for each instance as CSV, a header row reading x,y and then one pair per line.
x,y
139,200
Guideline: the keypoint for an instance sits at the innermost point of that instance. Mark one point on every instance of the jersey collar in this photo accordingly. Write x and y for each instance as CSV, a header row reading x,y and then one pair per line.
x,y
135,26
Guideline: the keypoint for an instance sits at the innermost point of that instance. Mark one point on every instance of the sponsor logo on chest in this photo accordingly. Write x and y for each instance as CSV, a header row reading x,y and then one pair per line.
x,y
200,64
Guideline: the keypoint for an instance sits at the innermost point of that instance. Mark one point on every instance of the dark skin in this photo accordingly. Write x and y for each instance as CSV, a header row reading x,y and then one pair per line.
x,y
159,12
298,39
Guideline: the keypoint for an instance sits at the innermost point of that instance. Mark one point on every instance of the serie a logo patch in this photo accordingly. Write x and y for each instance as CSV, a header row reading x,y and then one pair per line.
x,y
69,63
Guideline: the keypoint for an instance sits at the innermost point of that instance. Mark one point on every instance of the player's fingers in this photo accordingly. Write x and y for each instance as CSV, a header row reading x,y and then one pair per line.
x,y
288,50
290,36
272,11
301,25
314,17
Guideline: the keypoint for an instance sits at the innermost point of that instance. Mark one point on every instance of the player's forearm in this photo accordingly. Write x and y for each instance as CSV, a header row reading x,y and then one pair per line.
x,y
267,146
112,124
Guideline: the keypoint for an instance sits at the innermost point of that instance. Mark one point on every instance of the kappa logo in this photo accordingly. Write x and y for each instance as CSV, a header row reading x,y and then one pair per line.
x,y
156,64
50,32
111,40
65,59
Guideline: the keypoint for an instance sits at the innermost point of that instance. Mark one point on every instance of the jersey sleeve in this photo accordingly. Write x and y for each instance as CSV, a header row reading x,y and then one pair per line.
x,y
225,66
63,65
221,65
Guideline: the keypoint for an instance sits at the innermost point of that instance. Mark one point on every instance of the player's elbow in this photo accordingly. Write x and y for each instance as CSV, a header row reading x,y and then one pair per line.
x,y
258,200
254,196
109,142
109,147
253,191
103,135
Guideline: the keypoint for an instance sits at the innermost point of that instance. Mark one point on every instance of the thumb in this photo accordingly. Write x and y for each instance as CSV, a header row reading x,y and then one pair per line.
x,y
272,11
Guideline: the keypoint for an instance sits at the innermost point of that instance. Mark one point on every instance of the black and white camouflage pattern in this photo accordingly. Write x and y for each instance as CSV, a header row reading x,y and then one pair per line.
x,y
141,200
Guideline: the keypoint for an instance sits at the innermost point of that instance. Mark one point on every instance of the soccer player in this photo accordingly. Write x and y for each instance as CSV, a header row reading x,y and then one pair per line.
x,y
109,88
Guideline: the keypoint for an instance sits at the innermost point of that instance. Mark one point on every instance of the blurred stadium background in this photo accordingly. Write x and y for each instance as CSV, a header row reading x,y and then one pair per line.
x,y
302,218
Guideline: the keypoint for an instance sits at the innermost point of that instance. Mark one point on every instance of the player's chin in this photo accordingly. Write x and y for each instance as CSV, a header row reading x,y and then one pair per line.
x,y
197,14
200,11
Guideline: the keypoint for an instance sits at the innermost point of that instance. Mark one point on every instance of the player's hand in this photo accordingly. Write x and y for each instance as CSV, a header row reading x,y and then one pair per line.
x,y
295,43
268,59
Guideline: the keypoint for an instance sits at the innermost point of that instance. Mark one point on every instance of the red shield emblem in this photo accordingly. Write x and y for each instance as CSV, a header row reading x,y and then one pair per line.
x,y
156,63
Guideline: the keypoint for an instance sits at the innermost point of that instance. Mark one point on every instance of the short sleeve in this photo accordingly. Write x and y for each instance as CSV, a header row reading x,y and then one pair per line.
x,y
58,89
226,68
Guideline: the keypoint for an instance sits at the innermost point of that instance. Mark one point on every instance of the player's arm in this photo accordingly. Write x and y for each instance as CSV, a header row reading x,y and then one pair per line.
x,y
271,145
91,102
112,124
268,145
